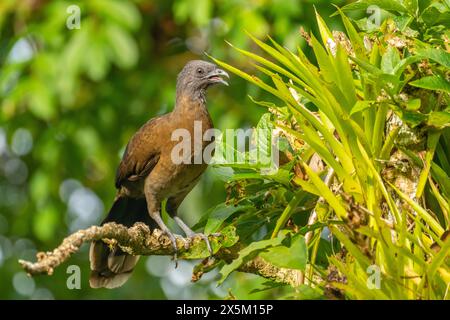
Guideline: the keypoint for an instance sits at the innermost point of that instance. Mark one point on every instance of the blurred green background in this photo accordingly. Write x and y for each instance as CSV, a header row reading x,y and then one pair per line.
x,y
71,98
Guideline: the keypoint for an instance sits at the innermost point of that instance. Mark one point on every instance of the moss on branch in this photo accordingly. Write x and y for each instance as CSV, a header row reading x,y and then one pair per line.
x,y
140,240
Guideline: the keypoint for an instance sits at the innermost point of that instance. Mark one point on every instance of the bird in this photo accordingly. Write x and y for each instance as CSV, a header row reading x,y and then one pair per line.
x,y
148,174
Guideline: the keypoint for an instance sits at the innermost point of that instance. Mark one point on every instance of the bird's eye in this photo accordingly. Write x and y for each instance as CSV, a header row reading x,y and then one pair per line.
x,y
200,71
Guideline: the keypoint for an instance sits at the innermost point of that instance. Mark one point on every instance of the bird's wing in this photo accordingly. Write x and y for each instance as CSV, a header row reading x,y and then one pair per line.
x,y
141,154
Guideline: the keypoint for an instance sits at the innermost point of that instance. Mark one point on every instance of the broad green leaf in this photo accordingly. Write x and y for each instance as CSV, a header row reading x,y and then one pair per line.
x,y
403,22
251,249
199,250
305,292
96,59
383,4
121,12
123,46
390,60
432,83
439,119
411,5
45,223
41,100
412,118
437,55
436,13
219,214
293,257
413,104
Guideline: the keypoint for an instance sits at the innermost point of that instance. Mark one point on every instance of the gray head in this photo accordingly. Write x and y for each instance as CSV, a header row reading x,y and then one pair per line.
x,y
197,76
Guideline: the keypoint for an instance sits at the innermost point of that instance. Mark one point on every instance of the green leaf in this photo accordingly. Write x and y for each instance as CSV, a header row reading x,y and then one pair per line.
x,y
439,259
325,191
123,46
439,119
268,285
45,223
432,83
293,257
411,5
424,214
390,60
200,11
121,12
325,33
219,214
244,254
390,5
370,68
305,292
199,250
413,104
412,118
345,76
401,66
355,39
350,246
437,55
436,13
361,105
287,212
96,62
441,177
41,100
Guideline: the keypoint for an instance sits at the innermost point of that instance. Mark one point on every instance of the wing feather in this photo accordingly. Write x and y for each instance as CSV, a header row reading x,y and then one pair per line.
x,y
141,154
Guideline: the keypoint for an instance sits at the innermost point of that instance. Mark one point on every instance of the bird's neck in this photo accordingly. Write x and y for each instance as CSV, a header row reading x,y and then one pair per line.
x,y
190,102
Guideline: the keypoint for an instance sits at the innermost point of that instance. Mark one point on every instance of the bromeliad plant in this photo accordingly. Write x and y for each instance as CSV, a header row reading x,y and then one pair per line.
x,y
360,204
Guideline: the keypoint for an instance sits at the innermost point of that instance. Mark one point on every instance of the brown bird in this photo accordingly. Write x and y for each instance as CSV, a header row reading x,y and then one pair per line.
x,y
148,173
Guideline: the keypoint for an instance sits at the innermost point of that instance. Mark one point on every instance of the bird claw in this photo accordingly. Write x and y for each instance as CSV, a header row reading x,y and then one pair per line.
x,y
206,239
173,241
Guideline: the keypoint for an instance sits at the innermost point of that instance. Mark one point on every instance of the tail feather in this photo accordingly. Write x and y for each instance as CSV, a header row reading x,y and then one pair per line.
x,y
112,268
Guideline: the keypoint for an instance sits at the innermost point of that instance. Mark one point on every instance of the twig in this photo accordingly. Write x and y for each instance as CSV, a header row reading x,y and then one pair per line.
x,y
139,240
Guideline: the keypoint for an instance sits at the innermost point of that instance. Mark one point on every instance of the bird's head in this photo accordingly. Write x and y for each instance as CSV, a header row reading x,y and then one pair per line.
x,y
198,75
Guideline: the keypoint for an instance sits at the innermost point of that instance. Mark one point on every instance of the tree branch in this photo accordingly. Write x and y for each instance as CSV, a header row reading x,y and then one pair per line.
x,y
139,240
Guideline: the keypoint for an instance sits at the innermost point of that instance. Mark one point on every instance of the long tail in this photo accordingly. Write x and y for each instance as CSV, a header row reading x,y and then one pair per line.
x,y
112,268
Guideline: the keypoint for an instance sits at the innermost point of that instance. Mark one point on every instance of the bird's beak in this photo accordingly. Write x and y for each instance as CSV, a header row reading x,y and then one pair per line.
x,y
216,75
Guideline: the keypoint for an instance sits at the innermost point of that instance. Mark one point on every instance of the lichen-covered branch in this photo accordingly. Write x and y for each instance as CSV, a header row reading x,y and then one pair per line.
x,y
139,240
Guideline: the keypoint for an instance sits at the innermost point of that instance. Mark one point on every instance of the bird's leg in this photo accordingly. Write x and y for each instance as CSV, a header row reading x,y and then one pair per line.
x,y
191,234
155,215
172,207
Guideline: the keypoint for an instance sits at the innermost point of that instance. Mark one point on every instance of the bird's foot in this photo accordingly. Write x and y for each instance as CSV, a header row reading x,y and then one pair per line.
x,y
191,234
173,241
205,238
157,217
